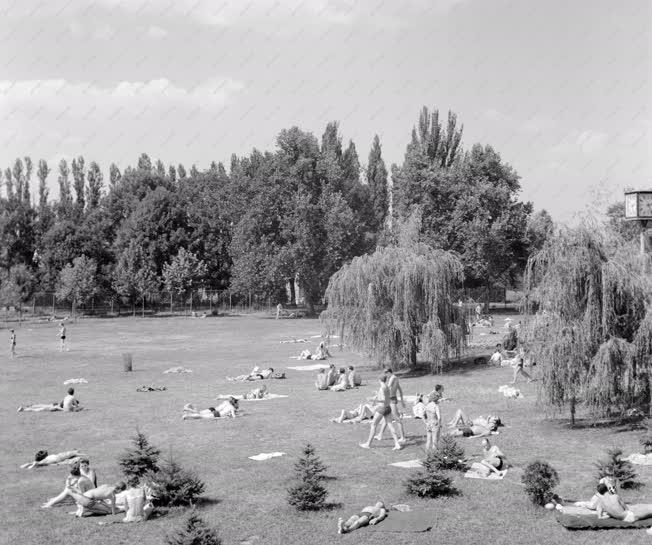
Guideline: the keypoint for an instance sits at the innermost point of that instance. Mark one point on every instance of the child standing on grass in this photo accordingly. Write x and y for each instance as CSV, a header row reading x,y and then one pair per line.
x,y
12,343
62,336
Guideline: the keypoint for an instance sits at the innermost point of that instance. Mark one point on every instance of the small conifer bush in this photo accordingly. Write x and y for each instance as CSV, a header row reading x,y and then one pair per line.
x,y
142,458
309,493
173,485
540,478
430,482
449,455
194,532
621,470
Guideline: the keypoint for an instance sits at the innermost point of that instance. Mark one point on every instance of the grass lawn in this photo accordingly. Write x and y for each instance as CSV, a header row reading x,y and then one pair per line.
x,y
245,498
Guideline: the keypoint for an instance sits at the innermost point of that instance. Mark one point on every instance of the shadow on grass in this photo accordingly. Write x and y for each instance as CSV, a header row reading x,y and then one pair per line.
x,y
619,425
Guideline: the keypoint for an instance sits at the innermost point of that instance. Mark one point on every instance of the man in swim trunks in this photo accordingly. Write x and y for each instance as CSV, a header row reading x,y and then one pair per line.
x,y
381,413
372,514
610,505
62,336
395,392
360,413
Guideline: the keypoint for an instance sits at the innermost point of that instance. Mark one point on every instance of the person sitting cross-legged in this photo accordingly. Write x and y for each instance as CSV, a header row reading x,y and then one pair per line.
x,y
372,514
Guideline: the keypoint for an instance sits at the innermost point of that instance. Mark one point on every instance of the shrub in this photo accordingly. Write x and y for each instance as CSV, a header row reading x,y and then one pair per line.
x,y
621,470
646,443
510,340
172,485
449,455
139,460
540,479
308,494
195,532
430,482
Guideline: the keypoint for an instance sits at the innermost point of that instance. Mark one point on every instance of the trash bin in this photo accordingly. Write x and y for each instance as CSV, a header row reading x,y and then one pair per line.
x,y
126,360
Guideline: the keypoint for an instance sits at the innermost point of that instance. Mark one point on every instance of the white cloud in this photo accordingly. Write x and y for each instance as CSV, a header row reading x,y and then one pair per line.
x,y
585,142
156,32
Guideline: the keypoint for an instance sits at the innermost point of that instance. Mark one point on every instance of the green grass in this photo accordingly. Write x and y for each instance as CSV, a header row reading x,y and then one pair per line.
x,y
244,497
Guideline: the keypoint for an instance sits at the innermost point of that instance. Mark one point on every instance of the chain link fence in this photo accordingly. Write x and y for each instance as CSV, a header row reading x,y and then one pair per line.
x,y
199,302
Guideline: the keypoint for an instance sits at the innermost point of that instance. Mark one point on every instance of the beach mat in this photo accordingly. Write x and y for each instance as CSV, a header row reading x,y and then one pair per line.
x,y
409,521
580,518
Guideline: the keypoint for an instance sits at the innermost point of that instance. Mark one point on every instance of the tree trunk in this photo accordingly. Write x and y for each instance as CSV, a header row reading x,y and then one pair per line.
x,y
573,403
143,308
293,294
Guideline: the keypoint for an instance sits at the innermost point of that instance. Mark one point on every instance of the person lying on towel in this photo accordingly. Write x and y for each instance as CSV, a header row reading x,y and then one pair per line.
x,y
611,505
228,407
372,514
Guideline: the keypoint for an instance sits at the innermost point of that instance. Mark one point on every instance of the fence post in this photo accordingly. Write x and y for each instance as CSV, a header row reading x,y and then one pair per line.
x,y
229,302
210,303
53,313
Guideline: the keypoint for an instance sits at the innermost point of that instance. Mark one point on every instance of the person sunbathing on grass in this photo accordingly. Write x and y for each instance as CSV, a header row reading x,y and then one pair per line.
x,y
592,504
256,393
493,460
611,505
75,481
256,374
96,501
357,415
69,404
80,472
42,458
372,514
478,427
228,407
136,503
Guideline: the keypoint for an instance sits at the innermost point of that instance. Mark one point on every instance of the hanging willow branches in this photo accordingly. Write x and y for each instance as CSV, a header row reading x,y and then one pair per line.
x,y
396,302
589,328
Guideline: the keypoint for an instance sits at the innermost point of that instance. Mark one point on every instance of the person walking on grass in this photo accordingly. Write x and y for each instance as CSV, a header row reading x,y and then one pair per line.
x,y
518,368
62,337
395,392
381,412
12,344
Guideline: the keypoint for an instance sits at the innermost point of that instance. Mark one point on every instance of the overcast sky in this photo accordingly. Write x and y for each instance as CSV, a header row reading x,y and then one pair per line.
x,y
561,89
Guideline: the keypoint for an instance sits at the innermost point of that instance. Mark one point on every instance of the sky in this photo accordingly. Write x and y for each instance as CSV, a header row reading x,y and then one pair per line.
x,y
560,89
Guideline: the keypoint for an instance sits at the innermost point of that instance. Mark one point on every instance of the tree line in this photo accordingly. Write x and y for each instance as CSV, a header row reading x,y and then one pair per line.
x,y
291,216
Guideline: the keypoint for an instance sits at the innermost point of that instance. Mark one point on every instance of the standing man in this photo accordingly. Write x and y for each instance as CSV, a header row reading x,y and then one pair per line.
x,y
62,336
381,412
12,343
395,392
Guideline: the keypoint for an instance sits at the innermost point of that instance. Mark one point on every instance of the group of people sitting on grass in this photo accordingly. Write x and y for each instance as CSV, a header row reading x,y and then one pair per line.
x,y
69,404
337,381
91,499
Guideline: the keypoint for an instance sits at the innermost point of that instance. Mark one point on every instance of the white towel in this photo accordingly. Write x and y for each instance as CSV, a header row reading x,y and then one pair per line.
x,y
266,456
177,370
408,464
292,341
240,397
313,367
75,381
510,391
640,459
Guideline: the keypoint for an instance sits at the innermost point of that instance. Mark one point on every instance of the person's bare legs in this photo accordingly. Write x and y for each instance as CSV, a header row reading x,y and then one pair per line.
x,y
437,435
381,431
641,510
397,420
40,407
397,444
353,523
429,440
372,430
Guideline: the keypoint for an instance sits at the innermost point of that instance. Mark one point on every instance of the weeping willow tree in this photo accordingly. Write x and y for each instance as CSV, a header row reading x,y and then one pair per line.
x,y
589,326
397,302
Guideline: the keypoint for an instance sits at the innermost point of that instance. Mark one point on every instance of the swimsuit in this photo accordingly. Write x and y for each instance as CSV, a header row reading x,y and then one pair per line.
x,y
216,414
384,410
365,514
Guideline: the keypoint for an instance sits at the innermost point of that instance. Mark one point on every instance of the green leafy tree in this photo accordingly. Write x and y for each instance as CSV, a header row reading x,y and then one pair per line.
x,y
184,273
65,206
79,184
16,286
44,214
172,173
114,175
181,171
144,162
194,532
160,168
27,198
449,455
94,188
134,278
628,230
377,181
78,282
